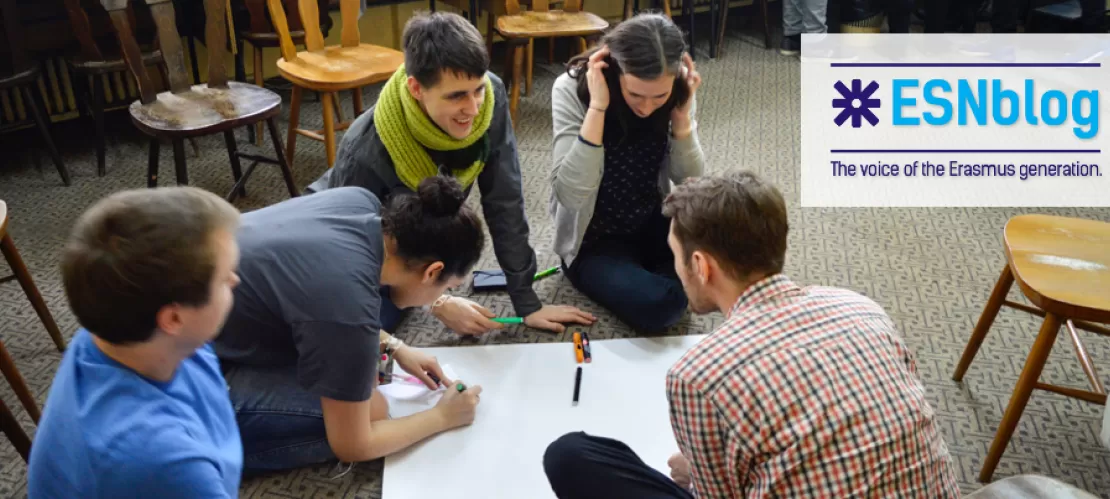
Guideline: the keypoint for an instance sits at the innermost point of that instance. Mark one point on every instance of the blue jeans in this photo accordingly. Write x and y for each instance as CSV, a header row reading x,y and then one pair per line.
x,y
280,423
633,277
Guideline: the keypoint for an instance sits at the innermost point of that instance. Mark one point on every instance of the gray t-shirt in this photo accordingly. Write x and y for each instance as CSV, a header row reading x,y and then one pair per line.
x,y
310,271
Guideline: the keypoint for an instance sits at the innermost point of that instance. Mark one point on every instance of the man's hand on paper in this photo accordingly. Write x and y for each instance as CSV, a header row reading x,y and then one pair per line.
x,y
420,364
680,470
457,408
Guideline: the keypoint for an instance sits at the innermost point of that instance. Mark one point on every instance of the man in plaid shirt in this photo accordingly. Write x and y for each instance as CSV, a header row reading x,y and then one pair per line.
x,y
801,392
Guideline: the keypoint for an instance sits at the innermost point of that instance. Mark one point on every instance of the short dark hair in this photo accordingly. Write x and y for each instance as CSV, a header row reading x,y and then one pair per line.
x,y
136,251
441,41
737,217
434,225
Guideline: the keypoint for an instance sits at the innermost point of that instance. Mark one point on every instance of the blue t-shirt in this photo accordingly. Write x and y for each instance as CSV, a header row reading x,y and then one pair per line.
x,y
107,432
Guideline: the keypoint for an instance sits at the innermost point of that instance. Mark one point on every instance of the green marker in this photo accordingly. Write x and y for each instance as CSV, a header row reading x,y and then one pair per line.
x,y
509,320
460,387
549,272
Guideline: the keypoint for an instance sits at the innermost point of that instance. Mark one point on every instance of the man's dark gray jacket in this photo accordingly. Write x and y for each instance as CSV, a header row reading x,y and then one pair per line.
x,y
362,160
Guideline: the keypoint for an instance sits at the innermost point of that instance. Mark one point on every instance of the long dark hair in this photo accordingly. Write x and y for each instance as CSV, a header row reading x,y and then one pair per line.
x,y
646,46
434,224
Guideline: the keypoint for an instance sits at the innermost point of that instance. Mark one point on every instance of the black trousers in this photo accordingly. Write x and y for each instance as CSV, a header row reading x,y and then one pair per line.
x,y
581,466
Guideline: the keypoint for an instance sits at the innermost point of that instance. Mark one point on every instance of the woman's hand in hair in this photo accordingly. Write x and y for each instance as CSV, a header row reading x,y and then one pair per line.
x,y
552,318
466,317
681,124
595,79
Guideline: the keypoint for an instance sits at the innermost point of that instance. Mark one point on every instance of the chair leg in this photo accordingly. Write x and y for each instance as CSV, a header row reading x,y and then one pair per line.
x,y
286,169
179,162
233,156
35,103
7,366
258,80
994,303
518,62
551,50
15,261
329,126
528,67
294,120
356,99
15,434
766,25
98,122
152,163
1034,364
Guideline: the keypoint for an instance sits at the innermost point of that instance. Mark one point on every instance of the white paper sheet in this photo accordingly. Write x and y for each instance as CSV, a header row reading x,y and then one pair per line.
x,y
406,398
527,390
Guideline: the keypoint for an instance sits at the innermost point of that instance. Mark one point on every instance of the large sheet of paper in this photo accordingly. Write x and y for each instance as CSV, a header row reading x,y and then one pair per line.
x,y
526,404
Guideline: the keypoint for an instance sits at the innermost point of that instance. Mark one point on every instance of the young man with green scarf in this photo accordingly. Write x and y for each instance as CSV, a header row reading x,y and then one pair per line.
x,y
443,112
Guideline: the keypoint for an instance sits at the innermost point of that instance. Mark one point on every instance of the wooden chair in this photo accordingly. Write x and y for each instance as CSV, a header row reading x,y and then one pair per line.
x,y
94,62
260,34
1062,265
519,28
196,110
337,68
23,74
8,423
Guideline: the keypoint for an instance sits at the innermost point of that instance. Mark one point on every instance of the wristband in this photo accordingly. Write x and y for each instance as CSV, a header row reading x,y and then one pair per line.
x,y
584,141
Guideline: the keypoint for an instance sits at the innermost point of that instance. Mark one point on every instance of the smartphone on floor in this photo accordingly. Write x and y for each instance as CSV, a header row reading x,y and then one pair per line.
x,y
489,280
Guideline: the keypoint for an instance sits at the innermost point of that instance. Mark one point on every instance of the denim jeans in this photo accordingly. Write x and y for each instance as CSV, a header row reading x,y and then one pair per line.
x,y
632,277
280,423
804,16
581,466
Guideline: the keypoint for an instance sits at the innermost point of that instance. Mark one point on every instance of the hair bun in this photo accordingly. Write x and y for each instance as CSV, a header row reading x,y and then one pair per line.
x,y
440,196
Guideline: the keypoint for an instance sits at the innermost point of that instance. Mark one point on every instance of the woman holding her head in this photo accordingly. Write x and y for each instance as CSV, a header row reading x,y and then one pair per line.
x,y
624,127
302,344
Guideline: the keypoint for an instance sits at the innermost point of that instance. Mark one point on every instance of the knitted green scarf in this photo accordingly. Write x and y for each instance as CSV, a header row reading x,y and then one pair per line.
x,y
406,131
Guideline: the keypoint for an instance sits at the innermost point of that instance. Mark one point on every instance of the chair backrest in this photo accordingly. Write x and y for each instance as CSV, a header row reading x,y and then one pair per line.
x,y
310,20
85,31
13,35
512,7
170,43
260,21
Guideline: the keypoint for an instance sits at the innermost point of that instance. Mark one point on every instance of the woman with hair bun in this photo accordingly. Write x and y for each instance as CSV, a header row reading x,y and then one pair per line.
x,y
302,344
623,117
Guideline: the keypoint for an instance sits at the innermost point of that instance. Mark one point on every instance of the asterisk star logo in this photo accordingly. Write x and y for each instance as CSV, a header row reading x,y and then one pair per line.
x,y
856,103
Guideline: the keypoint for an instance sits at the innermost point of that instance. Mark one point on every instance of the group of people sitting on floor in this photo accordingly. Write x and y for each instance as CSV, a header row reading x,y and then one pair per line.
x,y
216,344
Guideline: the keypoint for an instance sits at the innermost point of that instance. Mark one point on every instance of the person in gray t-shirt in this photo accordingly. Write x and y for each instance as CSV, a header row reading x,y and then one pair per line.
x,y
301,346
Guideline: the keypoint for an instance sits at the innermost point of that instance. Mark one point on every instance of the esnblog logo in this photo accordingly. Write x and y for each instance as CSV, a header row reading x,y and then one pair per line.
x,y
856,103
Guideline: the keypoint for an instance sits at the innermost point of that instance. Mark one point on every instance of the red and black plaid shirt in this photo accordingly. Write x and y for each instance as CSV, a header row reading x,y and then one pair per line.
x,y
806,392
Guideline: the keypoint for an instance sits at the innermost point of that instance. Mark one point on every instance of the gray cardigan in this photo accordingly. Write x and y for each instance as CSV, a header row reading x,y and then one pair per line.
x,y
576,175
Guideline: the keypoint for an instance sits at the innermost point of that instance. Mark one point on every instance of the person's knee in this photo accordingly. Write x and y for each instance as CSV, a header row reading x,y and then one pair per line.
x,y
660,312
564,456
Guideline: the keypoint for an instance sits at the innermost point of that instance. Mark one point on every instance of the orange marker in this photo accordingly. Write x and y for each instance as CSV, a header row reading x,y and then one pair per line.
x,y
578,346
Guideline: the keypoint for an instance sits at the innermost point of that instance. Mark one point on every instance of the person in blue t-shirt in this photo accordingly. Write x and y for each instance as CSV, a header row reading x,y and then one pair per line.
x,y
139,407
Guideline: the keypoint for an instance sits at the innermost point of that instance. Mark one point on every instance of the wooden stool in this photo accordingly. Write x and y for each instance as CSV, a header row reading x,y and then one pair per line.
x,y
348,66
20,273
8,423
519,28
24,76
1062,265
195,110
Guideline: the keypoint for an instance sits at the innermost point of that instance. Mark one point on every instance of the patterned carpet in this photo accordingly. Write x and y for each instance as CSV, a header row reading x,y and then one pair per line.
x,y
932,269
